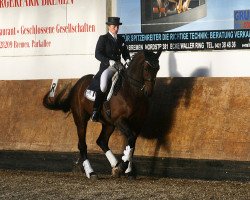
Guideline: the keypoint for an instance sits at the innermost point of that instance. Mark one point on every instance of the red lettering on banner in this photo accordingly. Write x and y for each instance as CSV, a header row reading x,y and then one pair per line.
x,y
47,2
40,43
56,2
21,44
32,3
28,3
10,3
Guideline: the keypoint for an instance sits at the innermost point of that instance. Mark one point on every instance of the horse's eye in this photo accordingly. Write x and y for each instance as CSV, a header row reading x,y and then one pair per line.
x,y
146,69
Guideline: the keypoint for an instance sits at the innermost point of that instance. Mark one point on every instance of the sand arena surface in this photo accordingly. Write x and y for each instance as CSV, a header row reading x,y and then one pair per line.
x,y
49,185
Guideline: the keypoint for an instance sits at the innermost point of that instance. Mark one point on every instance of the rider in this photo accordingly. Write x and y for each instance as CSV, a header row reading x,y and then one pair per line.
x,y
109,49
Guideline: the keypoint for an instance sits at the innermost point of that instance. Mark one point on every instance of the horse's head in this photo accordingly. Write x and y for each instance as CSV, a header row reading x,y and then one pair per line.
x,y
150,68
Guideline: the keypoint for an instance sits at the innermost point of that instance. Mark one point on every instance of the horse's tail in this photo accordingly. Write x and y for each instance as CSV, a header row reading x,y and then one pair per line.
x,y
60,101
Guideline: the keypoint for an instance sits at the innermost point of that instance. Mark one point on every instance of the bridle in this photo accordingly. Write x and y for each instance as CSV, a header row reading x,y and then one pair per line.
x,y
141,84
153,66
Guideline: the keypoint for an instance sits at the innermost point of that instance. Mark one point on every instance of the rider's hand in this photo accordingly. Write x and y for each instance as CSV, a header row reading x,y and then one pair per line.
x,y
111,63
128,62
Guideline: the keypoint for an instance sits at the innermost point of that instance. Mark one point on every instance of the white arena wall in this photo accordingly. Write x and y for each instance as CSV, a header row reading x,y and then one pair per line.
x,y
233,63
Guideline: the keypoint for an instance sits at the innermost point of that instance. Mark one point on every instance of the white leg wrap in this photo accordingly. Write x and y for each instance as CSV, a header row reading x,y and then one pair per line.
x,y
128,152
111,158
87,168
129,169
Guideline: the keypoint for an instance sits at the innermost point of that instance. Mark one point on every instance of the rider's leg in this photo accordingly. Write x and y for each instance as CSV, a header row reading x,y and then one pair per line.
x,y
100,94
97,105
107,74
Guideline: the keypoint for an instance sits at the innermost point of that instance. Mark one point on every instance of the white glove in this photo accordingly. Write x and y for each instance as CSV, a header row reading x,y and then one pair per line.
x,y
111,63
128,62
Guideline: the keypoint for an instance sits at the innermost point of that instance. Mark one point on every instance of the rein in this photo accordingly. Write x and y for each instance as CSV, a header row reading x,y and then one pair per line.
x,y
138,84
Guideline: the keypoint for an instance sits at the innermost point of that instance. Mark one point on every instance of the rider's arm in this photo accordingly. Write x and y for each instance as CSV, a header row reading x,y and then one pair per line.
x,y
100,51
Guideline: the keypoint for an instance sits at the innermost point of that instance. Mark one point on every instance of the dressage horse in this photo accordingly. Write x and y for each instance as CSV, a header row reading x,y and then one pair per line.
x,y
128,109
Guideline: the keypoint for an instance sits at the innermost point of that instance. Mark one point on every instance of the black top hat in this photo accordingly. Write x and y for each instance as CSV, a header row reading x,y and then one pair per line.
x,y
113,21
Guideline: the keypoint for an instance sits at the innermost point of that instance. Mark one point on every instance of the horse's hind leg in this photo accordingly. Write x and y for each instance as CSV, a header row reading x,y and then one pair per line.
x,y
82,146
102,142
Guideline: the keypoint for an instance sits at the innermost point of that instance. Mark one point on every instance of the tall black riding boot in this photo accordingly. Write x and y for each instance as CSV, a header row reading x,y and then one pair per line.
x,y
97,106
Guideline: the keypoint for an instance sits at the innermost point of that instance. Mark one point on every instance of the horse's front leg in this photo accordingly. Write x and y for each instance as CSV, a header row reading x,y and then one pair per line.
x,y
125,166
102,142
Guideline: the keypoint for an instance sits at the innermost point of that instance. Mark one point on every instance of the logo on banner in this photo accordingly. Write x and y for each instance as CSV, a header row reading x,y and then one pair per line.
x,y
242,19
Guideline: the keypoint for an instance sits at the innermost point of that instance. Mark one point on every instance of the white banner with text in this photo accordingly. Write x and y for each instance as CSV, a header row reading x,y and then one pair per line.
x,y
54,32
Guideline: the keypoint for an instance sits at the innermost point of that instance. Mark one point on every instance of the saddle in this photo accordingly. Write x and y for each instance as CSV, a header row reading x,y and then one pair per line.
x,y
114,86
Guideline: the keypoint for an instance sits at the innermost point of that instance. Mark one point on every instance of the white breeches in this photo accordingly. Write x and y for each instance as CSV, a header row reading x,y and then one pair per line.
x,y
107,74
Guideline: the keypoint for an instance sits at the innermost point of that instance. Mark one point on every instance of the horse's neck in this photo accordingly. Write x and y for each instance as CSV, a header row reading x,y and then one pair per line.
x,y
135,72
135,68
134,80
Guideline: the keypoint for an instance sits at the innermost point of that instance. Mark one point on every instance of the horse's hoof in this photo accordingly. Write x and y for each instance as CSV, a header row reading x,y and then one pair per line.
x,y
130,176
116,172
93,176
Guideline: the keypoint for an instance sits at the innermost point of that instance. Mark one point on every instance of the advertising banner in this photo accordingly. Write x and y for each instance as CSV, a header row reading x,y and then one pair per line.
x,y
50,27
199,37
179,25
49,39
189,40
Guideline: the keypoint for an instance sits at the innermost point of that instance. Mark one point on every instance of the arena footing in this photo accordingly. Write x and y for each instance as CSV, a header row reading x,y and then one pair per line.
x,y
145,166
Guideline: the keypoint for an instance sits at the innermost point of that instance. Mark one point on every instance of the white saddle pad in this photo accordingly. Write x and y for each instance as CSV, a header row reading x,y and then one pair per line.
x,y
91,95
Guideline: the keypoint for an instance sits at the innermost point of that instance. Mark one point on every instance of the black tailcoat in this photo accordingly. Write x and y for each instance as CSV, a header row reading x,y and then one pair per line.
x,y
107,48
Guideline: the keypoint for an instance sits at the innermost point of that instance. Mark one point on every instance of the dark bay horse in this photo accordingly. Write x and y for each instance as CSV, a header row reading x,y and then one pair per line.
x,y
128,110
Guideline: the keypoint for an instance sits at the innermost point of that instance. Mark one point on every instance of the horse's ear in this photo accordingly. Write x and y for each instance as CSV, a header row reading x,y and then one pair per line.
x,y
159,52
